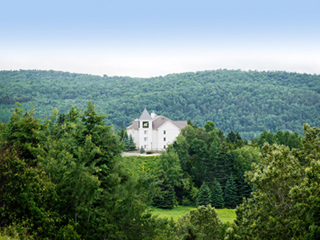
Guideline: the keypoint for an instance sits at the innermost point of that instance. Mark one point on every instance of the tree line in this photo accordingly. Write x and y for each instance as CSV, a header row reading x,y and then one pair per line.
x,y
63,177
247,102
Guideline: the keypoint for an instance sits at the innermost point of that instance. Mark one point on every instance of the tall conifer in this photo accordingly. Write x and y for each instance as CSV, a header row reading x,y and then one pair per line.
x,y
204,197
217,200
230,193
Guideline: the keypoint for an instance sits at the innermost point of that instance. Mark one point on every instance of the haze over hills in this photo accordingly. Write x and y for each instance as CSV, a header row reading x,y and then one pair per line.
x,y
244,101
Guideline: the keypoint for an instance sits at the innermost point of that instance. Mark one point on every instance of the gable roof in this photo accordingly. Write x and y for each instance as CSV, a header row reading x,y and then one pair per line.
x,y
157,121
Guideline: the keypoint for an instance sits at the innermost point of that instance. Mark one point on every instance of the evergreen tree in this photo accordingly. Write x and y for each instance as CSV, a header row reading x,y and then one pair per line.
x,y
231,137
217,200
230,193
223,163
166,197
125,144
243,189
131,144
142,150
204,197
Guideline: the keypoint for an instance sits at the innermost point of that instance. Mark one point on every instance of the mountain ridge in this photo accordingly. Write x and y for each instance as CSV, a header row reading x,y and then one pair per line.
x,y
244,101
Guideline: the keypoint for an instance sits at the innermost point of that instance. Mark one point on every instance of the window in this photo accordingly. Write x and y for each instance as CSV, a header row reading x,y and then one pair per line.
x,y
164,132
145,146
164,139
145,139
164,147
145,124
145,132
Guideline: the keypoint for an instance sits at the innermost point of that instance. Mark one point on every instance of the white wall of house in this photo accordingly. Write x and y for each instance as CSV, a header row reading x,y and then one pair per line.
x,y
145,135
154,139
167,134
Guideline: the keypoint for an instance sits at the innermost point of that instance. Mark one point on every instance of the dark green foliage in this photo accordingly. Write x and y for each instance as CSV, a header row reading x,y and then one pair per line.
x,y
131,145
166,198
72,183
223,163
142,150
209,126
230,193
217,200
204,197
243,101
292,140
243,189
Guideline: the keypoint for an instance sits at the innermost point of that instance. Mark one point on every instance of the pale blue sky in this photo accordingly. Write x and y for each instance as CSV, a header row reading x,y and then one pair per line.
x,y
151,38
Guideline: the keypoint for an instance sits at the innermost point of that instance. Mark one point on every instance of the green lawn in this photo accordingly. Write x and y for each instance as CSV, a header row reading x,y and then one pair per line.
x,y
226,215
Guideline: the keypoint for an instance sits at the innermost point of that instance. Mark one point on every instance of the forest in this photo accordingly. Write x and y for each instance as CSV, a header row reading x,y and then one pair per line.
x,y
63,177
247,102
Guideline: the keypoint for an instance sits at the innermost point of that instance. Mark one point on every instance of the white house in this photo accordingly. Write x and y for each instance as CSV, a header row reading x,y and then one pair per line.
x,y
154,132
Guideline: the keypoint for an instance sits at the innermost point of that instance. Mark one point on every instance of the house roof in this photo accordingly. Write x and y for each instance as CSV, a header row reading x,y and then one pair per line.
x,y
145,115
157,121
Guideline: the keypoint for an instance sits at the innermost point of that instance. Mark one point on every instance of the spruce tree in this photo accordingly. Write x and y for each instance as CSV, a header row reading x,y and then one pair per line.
x,y
204,197
230,193
243,189
142,150
217,200
131,144
167,196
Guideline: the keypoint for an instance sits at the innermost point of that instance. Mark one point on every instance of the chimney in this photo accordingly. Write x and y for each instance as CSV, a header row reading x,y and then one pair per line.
x,y
153,114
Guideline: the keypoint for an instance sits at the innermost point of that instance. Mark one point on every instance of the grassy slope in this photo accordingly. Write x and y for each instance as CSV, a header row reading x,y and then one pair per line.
x,y
226,215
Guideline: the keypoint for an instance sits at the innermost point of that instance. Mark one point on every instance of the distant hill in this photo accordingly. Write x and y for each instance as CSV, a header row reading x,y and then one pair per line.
x,y
245,101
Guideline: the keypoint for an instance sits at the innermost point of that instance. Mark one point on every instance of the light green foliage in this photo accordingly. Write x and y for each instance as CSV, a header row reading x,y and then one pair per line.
x,y
307,193
285,202
244,157
169,163
225,215
201,223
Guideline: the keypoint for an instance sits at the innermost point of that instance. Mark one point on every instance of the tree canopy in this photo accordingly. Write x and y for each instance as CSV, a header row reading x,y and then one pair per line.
x,y
247,102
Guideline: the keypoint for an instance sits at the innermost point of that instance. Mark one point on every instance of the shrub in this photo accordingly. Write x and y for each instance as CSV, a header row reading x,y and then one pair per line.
x,y
150,152
201,223
142,150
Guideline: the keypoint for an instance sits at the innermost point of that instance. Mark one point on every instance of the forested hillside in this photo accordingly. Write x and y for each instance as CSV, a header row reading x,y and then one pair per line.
x,y
244,101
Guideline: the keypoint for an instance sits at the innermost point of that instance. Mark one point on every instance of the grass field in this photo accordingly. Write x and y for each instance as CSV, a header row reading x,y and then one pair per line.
x,y
226,215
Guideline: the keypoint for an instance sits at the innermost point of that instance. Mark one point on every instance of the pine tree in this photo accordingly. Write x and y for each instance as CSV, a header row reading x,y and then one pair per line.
x,y
230,193
217,200
204,197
